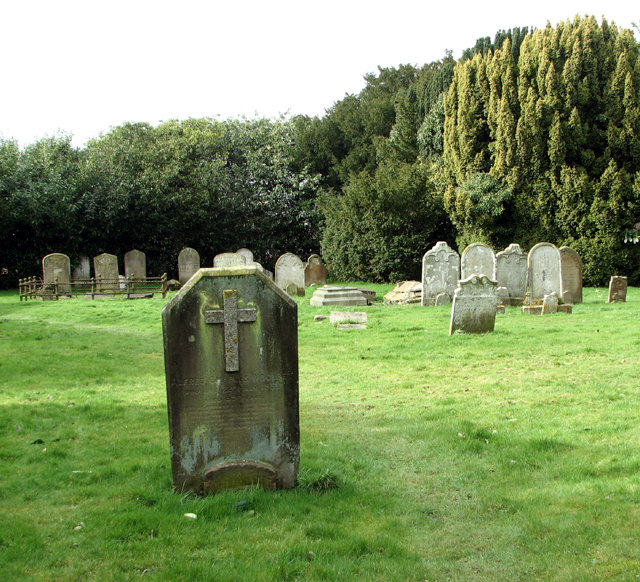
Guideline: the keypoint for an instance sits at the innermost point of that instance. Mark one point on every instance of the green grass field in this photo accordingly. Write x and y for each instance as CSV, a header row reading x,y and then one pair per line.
x,y
511,456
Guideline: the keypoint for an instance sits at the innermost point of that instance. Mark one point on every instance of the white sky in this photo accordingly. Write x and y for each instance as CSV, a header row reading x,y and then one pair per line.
x,y
81,66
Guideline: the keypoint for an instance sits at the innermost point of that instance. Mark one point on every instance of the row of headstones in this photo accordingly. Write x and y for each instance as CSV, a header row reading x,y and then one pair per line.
x,y
56,268
291,273
545,270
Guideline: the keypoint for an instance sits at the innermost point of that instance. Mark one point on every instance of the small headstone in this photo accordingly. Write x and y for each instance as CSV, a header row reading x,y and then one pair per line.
x,y
440,273
173,285
248,256
545,271
188,264
135,266
295,291
405,292
550,304
335,295
57,268
478,259
290,269
348,317
511,272
83,269
231,362
105,267
315,273
571,275
442,299
503,295
474,305
617,289
224,260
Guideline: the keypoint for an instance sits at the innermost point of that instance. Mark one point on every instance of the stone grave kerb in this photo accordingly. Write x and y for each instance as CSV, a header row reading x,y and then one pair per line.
x,y
231,364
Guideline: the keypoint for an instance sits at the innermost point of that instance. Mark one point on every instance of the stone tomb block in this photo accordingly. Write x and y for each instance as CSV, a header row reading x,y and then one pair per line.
x,y
440,273
545,271
135,265
315,273
474,305
478,259
290,269
188,264
571,275
56,268
105,268
231,363
511,272
337,296
617,289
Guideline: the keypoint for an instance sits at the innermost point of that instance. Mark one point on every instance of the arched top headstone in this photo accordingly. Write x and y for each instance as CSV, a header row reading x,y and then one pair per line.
x,y
478,259
56,268
571,275
229,260
135,265
105,268
545,271
188,264
290,269
315,273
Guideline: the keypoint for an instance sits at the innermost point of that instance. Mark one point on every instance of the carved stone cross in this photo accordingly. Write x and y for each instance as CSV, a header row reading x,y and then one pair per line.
x,y
230,316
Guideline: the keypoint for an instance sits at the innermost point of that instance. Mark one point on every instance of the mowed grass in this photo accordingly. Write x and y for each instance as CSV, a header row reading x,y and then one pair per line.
x,y
507,456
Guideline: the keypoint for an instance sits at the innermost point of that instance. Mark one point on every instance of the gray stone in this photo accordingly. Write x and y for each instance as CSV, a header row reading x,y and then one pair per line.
x,y
478,259
550,304
295,291
440,273
188,264
617,289
320,317
231,362
248,256
442,299
315,273
224,260
511,272
503,295
135,265
545,271
337,296
474,305
405,292
173,285
83,269
369,294
571,275
351,326
56,268
348,317
105,267
290,269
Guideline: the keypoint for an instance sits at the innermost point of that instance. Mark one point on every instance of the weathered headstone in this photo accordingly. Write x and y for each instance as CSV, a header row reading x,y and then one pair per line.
x,y
248,256
315,273
337,296
617,289
83,269
188,264
544,271
550,304
231,363
135,265
229,260
440,273
571,275
511,272
56,268
105,268
474,305
290,269
478,259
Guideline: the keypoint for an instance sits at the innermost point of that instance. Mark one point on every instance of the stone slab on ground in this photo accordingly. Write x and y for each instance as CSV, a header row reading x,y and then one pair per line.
x,y
351,326
348,317
334,296
405,292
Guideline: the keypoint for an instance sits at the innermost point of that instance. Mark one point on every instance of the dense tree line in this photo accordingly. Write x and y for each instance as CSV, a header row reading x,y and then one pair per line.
x,y
532,136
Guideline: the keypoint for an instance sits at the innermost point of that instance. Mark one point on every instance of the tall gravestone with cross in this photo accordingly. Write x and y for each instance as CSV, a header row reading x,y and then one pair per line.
x,y
231,362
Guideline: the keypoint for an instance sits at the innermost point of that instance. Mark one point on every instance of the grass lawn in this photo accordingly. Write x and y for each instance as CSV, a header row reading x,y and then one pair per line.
x,y
511,456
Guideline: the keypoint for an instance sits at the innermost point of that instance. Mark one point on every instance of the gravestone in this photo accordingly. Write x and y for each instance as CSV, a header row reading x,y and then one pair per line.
x,y
248,256
404,292
290,269
475,303
617,289
337,296
440,274
550,304
229,260
56,267
135,266
105,268
83,270
231,363
188,264
571,275
315,273
478,259
544,271
511,272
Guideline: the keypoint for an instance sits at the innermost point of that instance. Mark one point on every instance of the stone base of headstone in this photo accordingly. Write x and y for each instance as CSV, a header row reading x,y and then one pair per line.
x,y
238,475
532,309
369,294
405,292
565,308
337,296
348,317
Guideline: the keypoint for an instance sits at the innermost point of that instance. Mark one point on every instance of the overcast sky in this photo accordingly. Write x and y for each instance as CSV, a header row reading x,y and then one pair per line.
x,y
81,66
